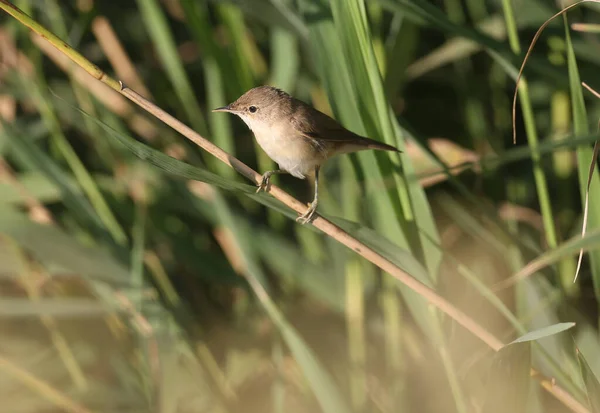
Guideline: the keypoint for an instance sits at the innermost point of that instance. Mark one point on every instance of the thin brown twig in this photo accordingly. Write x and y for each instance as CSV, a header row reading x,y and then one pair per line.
x,y
589,88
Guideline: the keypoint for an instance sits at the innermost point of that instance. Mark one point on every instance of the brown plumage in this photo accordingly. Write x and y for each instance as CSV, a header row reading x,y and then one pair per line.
x,y
295,135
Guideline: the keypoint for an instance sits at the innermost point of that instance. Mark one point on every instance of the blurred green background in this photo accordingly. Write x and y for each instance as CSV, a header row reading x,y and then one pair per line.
x,y
130,288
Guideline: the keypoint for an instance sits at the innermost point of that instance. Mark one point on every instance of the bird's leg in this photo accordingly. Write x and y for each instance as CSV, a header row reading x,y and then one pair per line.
x,y
266,177
310,212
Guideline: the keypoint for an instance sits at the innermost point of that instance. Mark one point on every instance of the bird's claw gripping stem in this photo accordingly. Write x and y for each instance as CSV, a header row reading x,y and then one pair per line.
x,y
308,215
264,183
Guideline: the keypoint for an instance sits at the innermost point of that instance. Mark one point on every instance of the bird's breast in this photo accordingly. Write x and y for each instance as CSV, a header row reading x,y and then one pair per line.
x,y
292,152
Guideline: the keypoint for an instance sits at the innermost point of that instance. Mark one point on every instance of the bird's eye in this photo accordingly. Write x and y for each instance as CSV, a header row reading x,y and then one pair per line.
x,y
252,109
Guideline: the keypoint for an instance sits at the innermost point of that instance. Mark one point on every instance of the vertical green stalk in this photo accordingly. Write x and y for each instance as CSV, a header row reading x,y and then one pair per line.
x,y
355,293
137,251
530,130
563,165
473,112
284,70
220,126
158,28
218,76
285,59
278,387
355,318
401,46
375,12
392,318
585,157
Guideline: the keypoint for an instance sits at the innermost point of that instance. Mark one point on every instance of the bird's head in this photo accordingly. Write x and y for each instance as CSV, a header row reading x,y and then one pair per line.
x,y
259,106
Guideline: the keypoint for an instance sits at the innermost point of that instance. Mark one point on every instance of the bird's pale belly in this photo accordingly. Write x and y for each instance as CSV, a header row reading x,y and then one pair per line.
x,y
296,156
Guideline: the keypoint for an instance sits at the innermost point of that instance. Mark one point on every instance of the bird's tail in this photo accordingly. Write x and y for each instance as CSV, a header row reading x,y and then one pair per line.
x,y
371,144
363,144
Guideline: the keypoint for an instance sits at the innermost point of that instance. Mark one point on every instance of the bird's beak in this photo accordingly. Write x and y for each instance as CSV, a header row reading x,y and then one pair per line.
x,y
223,109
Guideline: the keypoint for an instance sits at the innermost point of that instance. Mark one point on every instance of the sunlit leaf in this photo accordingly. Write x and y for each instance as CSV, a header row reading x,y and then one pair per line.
x,y
544,332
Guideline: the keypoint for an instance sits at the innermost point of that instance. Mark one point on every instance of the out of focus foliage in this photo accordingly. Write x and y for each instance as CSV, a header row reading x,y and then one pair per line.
x,y
126,288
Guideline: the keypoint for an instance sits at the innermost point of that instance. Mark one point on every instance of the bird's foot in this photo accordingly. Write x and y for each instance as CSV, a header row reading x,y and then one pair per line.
x,y
308,215
264,183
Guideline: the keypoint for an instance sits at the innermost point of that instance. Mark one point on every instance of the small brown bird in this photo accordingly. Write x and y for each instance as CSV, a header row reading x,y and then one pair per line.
x,y
296,136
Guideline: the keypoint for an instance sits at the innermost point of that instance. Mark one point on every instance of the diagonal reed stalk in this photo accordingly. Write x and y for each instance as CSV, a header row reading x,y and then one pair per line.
x,y
319,222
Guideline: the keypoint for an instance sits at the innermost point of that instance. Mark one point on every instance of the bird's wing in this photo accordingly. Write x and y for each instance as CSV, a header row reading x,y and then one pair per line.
x,y
324,131
317,125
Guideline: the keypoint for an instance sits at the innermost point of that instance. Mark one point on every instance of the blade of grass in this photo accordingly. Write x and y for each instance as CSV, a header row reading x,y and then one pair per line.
x,y
350,22
82,175
35,183
219,75
30,155
285,62
246,71
589,242
82,95
423,12
276,13
402,45
283,257
589,182
347,98
541,182
544,332
158,28
357,346
586,201
138,236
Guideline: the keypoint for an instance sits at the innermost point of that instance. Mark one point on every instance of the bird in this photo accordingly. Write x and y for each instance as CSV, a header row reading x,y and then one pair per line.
x,y
298,137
